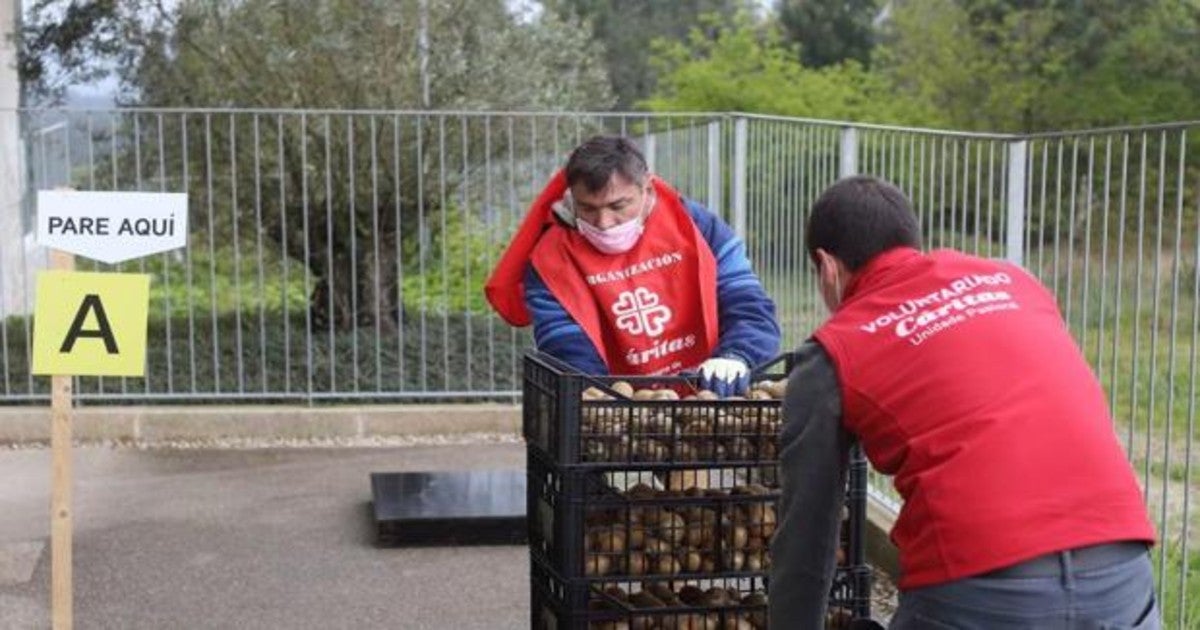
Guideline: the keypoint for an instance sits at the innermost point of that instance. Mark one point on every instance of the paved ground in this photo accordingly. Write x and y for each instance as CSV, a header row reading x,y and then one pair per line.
x,y
247,538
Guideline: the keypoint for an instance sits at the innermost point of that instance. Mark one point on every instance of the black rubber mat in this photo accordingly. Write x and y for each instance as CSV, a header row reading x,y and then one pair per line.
x,y
476,507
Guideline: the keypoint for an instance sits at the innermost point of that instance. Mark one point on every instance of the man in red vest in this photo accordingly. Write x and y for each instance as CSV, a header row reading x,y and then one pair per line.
x,y
621,275
960,379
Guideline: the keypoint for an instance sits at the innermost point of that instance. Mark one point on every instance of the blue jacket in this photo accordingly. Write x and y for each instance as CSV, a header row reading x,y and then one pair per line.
x,y
748,329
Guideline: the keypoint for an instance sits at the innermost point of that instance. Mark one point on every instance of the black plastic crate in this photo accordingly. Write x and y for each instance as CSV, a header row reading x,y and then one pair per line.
x,y
648,522
602,525
577,419
701,603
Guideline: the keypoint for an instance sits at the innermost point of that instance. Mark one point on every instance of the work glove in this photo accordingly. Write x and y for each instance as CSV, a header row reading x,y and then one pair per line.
x,y
725,377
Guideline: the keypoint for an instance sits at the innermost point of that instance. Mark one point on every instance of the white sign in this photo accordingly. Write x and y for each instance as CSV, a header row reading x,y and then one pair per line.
x,y
111,226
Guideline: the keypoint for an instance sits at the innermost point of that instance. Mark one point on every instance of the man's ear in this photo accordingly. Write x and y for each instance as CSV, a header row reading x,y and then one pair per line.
x,y
828,265
565,208
831,277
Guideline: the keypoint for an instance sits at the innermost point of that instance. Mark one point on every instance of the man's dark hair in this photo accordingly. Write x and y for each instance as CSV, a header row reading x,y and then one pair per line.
x,y
594,162
859,218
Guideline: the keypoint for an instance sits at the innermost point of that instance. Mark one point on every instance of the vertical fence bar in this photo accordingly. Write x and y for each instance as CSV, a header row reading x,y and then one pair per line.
x,y
1191,418
740,138
308,289
1120,282
284,256
258,244
237,256
715,203
330,267
1177,250
468,251
352,227
376,259
849,152
212,252
1014,250
398,210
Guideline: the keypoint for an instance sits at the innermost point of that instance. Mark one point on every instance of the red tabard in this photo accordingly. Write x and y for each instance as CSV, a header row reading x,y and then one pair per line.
x,y
651,310
1014,455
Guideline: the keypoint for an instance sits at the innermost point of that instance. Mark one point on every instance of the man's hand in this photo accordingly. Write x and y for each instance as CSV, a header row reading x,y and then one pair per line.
x,y
725,377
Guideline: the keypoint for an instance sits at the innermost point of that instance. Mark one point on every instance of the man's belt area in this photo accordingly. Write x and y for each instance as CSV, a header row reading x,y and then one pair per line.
x,y
1081,559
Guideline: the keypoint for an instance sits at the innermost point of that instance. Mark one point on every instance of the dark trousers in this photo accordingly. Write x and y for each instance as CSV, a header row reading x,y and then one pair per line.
x,y
1054,592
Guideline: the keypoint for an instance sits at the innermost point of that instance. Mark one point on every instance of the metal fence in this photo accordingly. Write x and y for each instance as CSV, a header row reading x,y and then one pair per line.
x,y
340,255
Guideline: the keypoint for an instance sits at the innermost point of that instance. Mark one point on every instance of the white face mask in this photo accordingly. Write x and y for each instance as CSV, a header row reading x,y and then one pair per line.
x,y
617,239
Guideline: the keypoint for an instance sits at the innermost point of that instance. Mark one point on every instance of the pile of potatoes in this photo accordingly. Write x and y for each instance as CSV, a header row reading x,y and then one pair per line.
x,y
659,595
674,539
681,433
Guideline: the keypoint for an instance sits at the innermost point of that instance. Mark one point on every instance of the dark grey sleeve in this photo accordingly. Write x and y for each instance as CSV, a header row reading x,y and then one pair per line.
x,y
813,451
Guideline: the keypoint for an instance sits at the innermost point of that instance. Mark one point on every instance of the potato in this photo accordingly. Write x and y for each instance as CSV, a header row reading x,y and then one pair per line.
x,y
636,536
693,533
705,394
683,622
617,593
594,393
640,491
623,388
759,394
690,560
755,561
663,593
637,563
645,394
667,565
643,599
666,394
597,564
740,449
672,527
755,598
734,560
595,451
648,450
738,622
737,536
762,521
607,540
708,564
717,596
657,546
691,595
758,618
778,389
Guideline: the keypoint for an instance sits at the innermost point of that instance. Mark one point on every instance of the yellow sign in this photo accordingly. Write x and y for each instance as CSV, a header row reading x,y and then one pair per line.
x,y
90,324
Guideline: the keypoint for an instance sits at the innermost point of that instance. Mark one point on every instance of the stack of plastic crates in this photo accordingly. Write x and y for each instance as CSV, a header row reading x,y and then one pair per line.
x,y
655,510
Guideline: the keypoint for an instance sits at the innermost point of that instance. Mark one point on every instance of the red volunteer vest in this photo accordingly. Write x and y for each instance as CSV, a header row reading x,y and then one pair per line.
x,y
997,464
651,310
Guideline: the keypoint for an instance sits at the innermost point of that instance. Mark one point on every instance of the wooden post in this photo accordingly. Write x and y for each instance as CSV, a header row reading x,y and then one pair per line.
x,y
62,614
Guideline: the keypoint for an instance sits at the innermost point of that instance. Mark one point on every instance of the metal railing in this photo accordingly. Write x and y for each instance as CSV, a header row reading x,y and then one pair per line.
x,y
340,255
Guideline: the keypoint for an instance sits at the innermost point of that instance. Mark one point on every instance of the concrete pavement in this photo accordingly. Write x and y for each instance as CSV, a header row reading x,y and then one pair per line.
x,y
249,538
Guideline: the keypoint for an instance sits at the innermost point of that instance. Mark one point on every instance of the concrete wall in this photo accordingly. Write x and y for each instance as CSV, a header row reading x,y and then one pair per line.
x,y
25,425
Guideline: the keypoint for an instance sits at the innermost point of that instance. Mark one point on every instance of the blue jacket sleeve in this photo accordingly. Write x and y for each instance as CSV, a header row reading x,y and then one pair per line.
x,y
555,332
748,328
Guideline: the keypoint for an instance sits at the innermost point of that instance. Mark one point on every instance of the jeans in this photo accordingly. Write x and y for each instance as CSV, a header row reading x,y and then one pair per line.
x,y
1116,597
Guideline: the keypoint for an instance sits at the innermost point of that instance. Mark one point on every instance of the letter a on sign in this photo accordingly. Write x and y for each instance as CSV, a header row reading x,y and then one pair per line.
x,y
90,324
